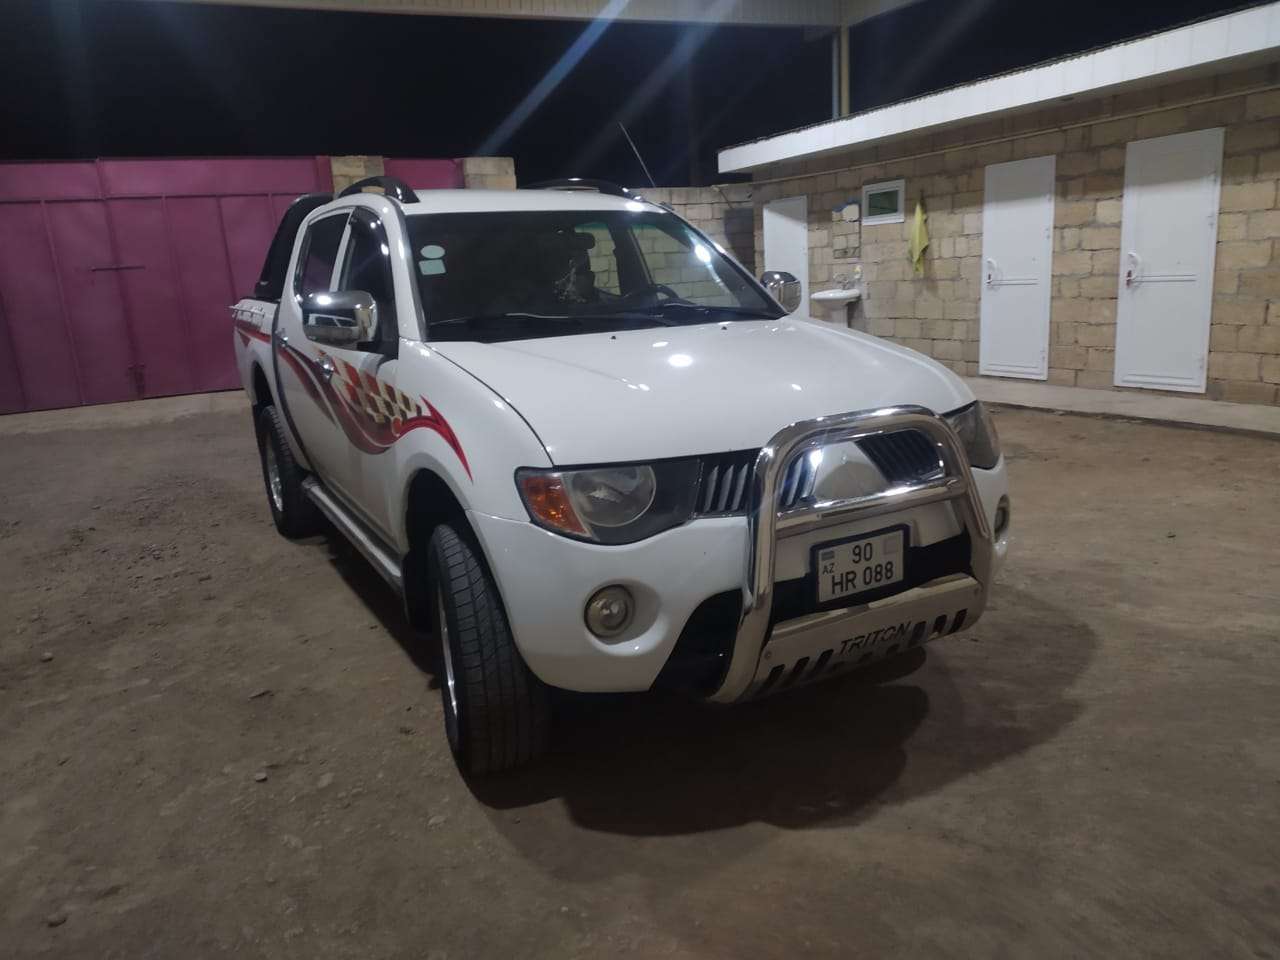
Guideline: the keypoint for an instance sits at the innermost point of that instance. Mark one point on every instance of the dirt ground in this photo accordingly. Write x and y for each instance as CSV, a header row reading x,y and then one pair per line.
x,y
213,741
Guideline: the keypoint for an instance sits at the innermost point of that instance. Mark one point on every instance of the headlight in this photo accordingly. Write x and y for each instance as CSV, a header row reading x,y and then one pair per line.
x,y
615,504
977,434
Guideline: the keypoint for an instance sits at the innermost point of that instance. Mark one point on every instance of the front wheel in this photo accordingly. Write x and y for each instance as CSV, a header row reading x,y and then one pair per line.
x,y
496,712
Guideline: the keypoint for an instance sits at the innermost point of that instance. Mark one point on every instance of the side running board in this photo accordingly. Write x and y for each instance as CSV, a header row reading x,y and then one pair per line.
x,y
368,543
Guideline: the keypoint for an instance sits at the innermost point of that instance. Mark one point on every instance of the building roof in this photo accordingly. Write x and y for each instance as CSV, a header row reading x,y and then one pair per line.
x,y
815,13
1230,41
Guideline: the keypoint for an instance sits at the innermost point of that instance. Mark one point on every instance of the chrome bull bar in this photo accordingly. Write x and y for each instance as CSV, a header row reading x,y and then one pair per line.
x,y
767,525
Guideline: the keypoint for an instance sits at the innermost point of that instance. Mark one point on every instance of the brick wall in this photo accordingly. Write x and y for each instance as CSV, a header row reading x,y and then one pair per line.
x,y
938,313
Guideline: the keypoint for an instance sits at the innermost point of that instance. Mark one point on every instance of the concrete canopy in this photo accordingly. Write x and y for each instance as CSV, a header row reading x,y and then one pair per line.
x,y
796,13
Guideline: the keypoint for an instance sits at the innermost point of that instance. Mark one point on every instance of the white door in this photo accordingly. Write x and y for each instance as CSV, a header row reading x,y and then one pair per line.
x,y
1017,260
786,243
1167,245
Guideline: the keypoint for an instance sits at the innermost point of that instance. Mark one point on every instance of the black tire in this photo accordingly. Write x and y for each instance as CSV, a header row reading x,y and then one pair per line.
x,y
292,510
497,713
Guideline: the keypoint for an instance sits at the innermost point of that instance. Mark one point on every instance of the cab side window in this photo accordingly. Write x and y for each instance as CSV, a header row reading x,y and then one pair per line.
x,y
315,268
368,268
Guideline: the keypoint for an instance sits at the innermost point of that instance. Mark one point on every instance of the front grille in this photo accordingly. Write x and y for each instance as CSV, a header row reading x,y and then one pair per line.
x,y
724,482
798,481
906,456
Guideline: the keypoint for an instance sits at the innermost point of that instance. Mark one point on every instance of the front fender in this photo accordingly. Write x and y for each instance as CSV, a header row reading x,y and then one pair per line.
x,y
475,447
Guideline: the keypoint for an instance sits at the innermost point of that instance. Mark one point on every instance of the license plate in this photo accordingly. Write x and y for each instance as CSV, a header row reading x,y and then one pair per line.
x,y
858,566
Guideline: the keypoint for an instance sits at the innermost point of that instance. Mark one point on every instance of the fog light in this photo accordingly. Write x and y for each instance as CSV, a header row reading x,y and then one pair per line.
x,y
609,611
1002,516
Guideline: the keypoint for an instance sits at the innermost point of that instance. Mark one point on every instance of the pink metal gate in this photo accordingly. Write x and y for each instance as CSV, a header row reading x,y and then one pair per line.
x,y
115,275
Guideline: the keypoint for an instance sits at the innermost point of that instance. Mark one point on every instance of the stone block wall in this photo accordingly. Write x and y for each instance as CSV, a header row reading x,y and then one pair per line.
x,y
492,173
347,170
489,173
937,313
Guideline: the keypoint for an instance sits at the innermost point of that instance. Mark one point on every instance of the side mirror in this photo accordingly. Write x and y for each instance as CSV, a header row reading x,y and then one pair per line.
x,y
783,287
345,318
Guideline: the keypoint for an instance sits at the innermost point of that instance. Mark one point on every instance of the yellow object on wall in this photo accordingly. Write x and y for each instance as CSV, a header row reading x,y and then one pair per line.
x,y
919,238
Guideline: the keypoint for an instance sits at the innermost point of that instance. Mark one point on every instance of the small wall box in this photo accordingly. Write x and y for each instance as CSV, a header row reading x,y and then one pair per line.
x,y
884,202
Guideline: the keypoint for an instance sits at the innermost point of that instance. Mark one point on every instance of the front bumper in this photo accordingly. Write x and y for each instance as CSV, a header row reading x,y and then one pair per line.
x,y
546,580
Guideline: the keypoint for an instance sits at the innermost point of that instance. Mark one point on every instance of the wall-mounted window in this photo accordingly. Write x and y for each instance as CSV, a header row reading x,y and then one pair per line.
x,y
884,202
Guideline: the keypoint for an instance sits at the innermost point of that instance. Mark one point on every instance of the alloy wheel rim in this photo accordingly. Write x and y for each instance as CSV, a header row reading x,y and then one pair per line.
x,y
274,483
450,685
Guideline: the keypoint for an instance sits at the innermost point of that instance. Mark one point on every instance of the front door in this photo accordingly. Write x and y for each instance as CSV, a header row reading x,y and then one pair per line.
x,y
786,243
305,368
341,399
1167,245
1017,254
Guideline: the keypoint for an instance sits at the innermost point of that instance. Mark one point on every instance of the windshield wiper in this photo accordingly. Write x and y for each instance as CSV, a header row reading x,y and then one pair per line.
x,y
491,317
747,313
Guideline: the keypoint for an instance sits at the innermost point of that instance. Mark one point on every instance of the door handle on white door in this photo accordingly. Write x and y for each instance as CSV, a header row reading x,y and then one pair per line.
x,y
327,368
991,272
1134,273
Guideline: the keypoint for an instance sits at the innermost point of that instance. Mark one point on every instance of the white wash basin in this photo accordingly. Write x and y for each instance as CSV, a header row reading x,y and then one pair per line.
x,y
838,295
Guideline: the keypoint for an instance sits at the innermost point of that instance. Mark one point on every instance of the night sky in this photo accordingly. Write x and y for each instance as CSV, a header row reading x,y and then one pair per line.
x,y
88,78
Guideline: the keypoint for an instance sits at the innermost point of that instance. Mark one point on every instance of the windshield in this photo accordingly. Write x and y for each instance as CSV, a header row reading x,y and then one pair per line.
x,y
519,275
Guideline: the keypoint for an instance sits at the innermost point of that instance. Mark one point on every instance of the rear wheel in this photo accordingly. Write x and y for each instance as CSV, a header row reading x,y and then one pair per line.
x,y
496,712
291,509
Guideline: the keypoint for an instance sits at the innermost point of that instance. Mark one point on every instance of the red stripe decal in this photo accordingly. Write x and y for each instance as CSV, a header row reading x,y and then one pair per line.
x,y
369,432
300,364
434,421
247,329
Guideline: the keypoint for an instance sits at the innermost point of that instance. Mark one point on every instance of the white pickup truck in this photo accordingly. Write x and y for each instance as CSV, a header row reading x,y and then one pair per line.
x,y
591,452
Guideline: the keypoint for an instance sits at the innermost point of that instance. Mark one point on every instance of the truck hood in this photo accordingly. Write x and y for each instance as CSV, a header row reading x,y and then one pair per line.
x,y
710,388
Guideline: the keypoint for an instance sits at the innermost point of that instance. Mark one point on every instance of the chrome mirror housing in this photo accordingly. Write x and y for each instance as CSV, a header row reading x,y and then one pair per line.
x,y
344,318
783,287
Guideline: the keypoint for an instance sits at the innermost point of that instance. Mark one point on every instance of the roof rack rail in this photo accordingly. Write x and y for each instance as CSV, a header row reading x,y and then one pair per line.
x,y
393,187
581,183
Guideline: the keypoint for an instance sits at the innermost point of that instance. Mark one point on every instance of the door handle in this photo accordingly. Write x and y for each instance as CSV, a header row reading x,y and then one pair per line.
x,y
1134,274
327,368
991,272
280,338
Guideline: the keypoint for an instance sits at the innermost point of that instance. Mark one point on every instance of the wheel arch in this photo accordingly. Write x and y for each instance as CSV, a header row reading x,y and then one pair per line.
x,y
259,388
429,500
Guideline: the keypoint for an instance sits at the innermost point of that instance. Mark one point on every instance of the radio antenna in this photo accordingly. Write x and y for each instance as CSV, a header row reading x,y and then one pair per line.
x,y
643,165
